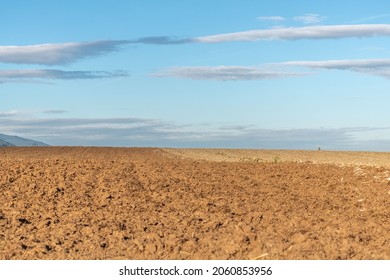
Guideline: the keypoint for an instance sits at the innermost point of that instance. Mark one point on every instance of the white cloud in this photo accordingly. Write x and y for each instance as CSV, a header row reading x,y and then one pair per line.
x,y
342,64
310,19
371,18
382,72
65,53
378,67
274,19
298,33
31,75
68,131
56,54
227,73
305,19
7,114
55,111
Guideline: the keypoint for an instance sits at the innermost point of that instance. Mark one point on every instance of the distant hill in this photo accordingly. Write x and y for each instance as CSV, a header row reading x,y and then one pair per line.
x,y
5,143
8,140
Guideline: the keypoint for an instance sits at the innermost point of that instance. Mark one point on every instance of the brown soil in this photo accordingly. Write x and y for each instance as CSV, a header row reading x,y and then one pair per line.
x,y
144,203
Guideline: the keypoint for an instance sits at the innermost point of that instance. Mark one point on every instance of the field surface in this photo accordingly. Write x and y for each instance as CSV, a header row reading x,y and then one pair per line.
x,y
146,203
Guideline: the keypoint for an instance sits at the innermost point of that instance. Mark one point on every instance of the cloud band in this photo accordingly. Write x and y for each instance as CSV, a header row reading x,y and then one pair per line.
x,y
299,33
148,132
226,73
56,54
50,74
377,67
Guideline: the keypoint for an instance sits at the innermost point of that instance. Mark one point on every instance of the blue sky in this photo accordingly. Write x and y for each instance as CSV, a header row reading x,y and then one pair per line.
x,y
196,73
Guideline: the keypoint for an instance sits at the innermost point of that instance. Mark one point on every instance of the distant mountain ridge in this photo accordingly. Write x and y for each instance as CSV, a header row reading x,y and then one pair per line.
x,y
9,141
5,143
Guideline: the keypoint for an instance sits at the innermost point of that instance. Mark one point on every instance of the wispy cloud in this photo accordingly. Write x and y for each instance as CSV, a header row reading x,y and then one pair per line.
x,y
7,114
274,19
227,73
57,54
66,53
26,75
161,40
378,67
372,49
310,19
342,64
298,33
55,111
371,18
97,131
15,114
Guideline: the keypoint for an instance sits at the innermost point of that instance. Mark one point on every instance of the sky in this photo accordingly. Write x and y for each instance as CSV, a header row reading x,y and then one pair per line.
x,y
197,73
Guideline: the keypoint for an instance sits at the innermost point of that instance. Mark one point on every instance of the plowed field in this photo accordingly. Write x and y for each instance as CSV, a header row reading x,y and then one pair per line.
x,y
144,203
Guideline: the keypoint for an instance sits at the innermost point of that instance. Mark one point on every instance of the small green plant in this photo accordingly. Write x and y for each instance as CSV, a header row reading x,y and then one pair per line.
x,y
276,159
